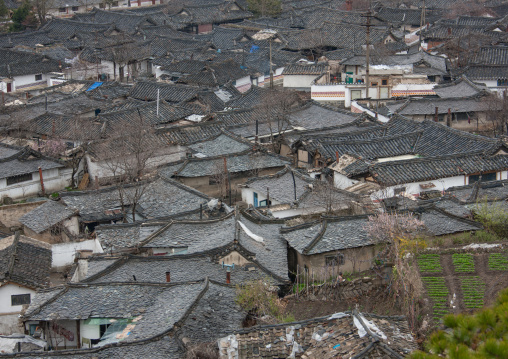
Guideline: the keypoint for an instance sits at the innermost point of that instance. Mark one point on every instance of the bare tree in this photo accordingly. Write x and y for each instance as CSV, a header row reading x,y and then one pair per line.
x,y
220,177
130,156
41,8
277,105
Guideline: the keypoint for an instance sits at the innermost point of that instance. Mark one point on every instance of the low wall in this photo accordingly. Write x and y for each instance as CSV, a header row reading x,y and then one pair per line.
x,y
10,214
64,253
344,291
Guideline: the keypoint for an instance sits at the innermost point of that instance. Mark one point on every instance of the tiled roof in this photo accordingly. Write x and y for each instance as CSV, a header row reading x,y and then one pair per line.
x,y
208,14
118,236
300,69
161,198
45,216
17,63
330,235
485,72
223,144
487,191
241,162
216,74
439,222
405,16
314,116
423,169
491,56
427,106
167,92
157,307
463,87
183,66
318,338
185,135
25,161
25,261
380,147
280,185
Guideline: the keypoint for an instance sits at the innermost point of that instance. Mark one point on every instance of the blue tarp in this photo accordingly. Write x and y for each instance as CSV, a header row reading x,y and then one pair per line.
x,y
94,86
253,49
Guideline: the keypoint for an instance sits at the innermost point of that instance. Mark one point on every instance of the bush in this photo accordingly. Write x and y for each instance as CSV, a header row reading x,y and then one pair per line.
x,y
493,216
257,297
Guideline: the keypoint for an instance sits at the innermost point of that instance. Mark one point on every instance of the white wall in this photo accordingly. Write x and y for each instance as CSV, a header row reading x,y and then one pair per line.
x,y
325,93
243,84
299,81
64,253
9,315
54,180
415,189
342,182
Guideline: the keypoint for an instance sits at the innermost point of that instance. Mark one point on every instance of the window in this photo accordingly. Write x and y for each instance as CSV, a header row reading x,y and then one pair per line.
x,y
502,82
485,177
62,9
38,77
18,179
384,82
20,299
373,83
75,8
399,190
333,261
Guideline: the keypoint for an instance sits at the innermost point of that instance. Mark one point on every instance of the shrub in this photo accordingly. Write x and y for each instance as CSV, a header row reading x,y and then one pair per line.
x,y
493,216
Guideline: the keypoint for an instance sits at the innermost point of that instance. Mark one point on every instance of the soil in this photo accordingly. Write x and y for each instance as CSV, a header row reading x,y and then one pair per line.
x,y
377,302
494,281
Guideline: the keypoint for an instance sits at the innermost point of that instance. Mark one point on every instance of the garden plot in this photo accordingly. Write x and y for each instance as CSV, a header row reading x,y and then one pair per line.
x,y
498,261
429,263
473,291
438,293
463,262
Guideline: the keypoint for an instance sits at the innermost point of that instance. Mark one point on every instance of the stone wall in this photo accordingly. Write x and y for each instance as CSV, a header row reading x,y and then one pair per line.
x,y
343,291
10,215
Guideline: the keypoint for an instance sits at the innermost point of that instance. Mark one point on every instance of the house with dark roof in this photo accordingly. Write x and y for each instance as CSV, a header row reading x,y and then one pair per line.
x,y
51,222
290,193
26,264
25,172
301,76
219,175
23,71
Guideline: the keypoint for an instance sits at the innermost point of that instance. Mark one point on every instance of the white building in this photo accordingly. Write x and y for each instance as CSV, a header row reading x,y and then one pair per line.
x,y
28,266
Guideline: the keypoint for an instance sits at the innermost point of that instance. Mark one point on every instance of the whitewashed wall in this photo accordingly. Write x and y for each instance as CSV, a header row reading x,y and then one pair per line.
x,y
64,253
342,182
9,314
298,81
54,180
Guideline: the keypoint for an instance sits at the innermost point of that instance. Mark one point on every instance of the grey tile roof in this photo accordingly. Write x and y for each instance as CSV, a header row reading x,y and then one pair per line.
x,y
427,106
439,223
215,316
460,88
242,162
25,261
315,116
161,198
224,144
280,185
490,191
329,235
182,268
26,161
491,56
453,207
157,306
380,147
423,169
45,216
197,236
118,236
16,63
298,69
272,252
167,92
186,135
486,72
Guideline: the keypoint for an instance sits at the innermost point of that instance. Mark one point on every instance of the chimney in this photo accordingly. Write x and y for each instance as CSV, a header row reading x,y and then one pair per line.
x,y
268,197
42,182
436,114
349,5
228,277
449,118
337,156
168,277
449,31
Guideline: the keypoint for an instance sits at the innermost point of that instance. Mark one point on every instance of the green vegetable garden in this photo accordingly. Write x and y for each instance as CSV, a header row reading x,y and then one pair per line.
x,y
498,261
473,290
429,263
463,262
438,293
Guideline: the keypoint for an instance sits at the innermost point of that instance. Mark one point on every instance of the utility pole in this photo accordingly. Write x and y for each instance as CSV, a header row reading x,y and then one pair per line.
x,y
271,67
422,22
367,53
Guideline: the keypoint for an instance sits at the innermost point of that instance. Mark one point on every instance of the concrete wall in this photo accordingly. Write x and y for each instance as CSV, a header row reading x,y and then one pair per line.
x,y
9,215
64,253
342,182
9,314
20,83
298,81
355,260
54,180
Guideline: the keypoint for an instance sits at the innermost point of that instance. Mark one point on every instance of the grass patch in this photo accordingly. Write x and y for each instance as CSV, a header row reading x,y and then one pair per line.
x,y
438,293
463,262
429,263
473,290
498,261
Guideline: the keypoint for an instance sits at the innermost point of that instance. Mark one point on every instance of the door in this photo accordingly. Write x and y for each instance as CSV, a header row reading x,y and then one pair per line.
x,y
383,92
356,94
9,87
256,203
